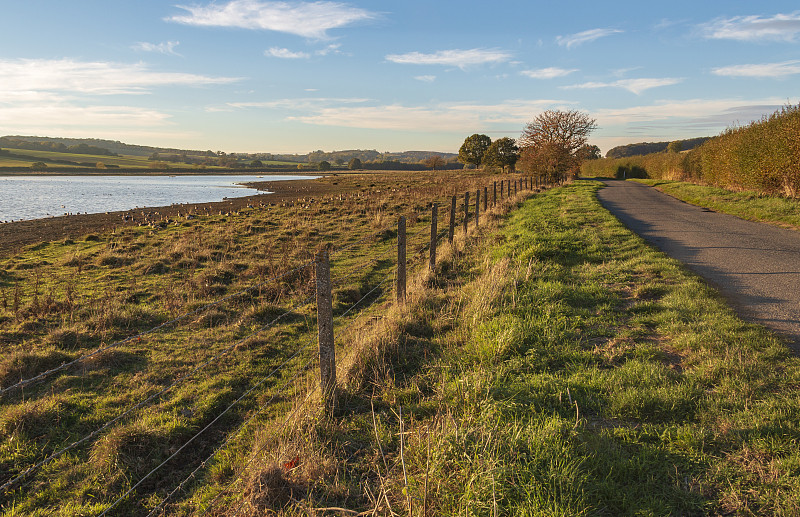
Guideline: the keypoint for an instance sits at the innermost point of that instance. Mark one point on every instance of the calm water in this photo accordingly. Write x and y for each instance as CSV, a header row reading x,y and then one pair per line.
x,y
34,197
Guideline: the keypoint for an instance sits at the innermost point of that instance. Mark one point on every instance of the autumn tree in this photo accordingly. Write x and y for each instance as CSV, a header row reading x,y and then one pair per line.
x,y
473,149
588,152
502,153
434,162
553,139
324,165
675,146
354,164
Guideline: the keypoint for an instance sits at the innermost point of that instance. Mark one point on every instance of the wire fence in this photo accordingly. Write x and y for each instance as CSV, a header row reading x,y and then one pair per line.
x,y
379,269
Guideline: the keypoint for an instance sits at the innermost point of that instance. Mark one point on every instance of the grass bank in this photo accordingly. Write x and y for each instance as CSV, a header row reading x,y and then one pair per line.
x,y
567,369
753,206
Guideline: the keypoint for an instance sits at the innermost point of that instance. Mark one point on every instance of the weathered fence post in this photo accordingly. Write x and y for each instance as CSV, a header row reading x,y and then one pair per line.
x,y
452,220
466,211
477,207
508,190
485,198
494,198
515,187
401,259
434,231
327,350
502,182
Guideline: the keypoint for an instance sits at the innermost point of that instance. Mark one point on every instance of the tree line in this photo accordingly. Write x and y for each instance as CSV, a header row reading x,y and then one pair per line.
x,y
552,146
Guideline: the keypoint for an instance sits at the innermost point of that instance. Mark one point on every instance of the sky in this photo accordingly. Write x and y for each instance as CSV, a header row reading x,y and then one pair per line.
x,y
294,77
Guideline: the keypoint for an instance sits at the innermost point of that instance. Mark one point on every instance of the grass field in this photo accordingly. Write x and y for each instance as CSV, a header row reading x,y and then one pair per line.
x,y
553,365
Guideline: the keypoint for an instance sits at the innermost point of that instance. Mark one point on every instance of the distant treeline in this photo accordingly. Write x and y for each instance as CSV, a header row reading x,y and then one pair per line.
x,y
371,155
641,148
763,156
54,147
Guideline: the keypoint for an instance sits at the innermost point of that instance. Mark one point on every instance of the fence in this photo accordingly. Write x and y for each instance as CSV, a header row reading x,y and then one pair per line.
x,y
295,363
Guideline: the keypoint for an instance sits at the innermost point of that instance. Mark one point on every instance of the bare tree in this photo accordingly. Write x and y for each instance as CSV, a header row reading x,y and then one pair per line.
x,y
434,162
553,138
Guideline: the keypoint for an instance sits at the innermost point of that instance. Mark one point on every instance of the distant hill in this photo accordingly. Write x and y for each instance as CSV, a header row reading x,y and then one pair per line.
x,y
114,147
624,151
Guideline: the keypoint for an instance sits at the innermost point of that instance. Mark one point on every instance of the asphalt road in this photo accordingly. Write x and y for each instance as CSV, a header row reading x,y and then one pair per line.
x,y
755,266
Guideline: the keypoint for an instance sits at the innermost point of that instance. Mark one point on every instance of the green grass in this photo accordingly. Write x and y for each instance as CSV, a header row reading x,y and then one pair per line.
x,y
568,369
748,205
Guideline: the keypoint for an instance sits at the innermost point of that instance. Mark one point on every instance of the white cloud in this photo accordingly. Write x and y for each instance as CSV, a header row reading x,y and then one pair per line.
x,y
760,70
781,27
636,86
573,40
425,78
548,73
452,117
307,19
65,114
716,111
167,47
100,78
456,57
285,53
330,49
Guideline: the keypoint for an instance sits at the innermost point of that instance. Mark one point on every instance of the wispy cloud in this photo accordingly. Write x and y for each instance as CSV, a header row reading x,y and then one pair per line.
x,y
425,78
456,57
705,113
167,47
285,53
636,86
760,70
573,40
780,27
100,78
307,19
548,73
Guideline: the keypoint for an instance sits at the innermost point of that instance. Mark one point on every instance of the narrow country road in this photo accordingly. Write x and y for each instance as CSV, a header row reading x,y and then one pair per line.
x,y
755,266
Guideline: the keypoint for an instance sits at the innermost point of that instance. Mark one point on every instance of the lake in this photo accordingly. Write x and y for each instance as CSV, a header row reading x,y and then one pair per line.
x,y
35,197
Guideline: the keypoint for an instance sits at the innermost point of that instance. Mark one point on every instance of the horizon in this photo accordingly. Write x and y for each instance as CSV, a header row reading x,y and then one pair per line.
x,y
253,76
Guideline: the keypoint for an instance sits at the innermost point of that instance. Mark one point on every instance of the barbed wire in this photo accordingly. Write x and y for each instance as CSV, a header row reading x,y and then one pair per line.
x,y
144,402
204,429
82,358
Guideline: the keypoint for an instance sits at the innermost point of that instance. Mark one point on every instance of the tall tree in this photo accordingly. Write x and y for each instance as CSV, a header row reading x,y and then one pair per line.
x,y
502,153
354,164
473,149
554,137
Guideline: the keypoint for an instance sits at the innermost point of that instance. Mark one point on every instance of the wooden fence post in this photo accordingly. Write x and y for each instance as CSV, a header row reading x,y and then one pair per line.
x,y
494,198
485,198
477,207
508,190
466,211
434,231
452,220
502,182
327,350
401,259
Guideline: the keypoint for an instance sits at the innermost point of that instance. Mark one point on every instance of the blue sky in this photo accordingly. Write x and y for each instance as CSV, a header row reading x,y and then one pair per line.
x,y
256,75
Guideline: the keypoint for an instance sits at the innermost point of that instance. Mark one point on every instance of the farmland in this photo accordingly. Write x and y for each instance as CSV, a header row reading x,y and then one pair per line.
x,y
552,362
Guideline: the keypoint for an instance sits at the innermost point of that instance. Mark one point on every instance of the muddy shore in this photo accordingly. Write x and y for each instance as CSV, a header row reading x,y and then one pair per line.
x,y
16,235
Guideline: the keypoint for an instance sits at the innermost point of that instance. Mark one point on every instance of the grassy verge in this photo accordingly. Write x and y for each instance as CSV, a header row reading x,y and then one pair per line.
x,y
567,369
748,205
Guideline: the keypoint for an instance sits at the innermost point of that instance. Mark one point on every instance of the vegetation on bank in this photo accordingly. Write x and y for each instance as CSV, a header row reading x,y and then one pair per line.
x,y
763,156
565,369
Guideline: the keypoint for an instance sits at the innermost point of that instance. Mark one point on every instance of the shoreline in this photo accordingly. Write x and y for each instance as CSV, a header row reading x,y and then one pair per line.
x,y
18,234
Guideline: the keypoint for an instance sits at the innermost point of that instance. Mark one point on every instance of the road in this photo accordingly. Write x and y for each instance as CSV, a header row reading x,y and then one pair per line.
x,y
755,266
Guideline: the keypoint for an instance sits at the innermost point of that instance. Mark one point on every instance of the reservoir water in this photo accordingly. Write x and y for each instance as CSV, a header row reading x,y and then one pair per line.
x,y
35,197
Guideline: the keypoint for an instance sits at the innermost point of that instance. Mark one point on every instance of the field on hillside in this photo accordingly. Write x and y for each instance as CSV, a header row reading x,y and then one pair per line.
x,y
122,161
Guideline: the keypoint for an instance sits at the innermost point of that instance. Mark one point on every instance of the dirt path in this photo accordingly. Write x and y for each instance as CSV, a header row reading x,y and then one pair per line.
x,y
754,265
